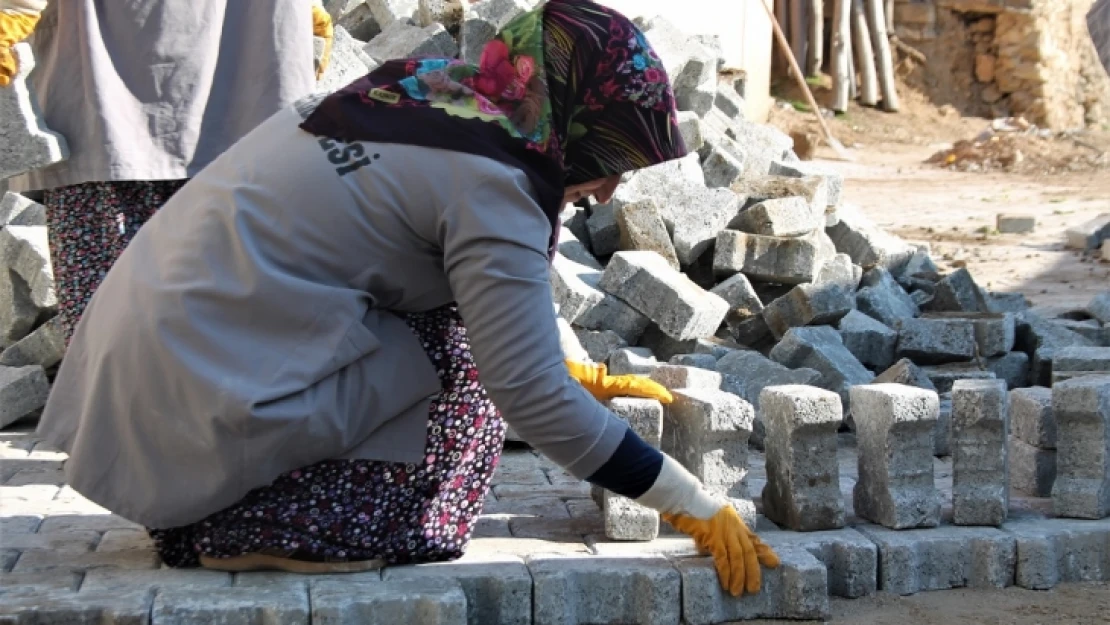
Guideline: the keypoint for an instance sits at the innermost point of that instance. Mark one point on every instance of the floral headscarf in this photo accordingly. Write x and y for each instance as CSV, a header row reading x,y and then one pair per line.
x,y
569,92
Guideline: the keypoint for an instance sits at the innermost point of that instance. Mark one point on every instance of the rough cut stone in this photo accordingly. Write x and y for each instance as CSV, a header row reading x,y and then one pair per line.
x,y
647,283
942,435
1013,368
905,372
783,217
604,229
804,169
1089,236
728,101
868,340
1069,362
944,376
28,143
498,588
803,477
895,431
574,287
624,518
482,21
16,210
820,348
679,377
415,601
913,561
980,468
402,40
66,606
348,61
750,331
18,313
881,297
23,390
645,589
1032,470
446,12
632,360
721,167
1089,328
785,260
1056,551
694,214
691,67
642,228
663,346
868,245
741,297
808,304
1032,418
931,340
690,127
599,345
25,250
45,347
706,431
958,292
1082,410
839,270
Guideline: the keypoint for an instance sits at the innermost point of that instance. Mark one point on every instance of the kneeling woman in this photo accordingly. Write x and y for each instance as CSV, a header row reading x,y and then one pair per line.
x,y
303,360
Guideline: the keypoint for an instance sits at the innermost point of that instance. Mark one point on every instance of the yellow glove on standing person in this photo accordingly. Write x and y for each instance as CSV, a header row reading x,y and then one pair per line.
x,y
596,379
17,22
322,27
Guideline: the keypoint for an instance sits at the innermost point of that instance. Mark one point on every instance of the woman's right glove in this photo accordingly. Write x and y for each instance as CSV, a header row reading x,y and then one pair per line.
x,y
17,21
714,525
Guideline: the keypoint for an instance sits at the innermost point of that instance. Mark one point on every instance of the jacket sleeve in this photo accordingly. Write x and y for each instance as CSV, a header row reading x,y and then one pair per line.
x,y
494,241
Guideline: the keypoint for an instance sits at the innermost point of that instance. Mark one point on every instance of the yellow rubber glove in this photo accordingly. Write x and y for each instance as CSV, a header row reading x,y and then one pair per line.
x,y
736,550
596,379
322,27
15,26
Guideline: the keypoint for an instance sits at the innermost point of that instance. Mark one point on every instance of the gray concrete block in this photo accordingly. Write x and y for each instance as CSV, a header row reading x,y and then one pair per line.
x,y
706,431
913,561
936,340
482,21
803,476
642,228
728,101
1032,470
232,606
28,142
995,333
599,345
905,372
797,589
870,341
420,601
626,519
895,430
763,143
446,12
402,40
16,210
1082,410
1088,236
784,260
679,307
881,297
1012,368
571,590
980,466
808,304
820,348
1031,416
868,245
718,348
741,297
920,262
851,560
1099,307
1056,551
23,390
498,589
638,360
1007,302
348,61
944,376
782,217
958,292
805,169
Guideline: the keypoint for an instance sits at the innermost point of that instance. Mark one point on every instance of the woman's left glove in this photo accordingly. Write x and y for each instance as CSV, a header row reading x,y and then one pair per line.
x,y
322,27
596,379
17,22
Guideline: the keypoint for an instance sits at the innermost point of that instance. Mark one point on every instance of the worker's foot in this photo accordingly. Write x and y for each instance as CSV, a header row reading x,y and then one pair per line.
x,y
289,562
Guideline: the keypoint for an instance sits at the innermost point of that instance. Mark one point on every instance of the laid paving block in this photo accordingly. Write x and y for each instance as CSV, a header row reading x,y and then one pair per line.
x,y
482,21
1032,470
1012,368
868,244
1088,236
626,519
599,345
936,340
944,376
66,606
233,606
895,432
498,588
1031,416
1015,224
958,292
820,348
642,228
1082,410
803,476
16,210
797,589
980,467
881,297
1056,551
905,372
121,581
23,390
348,61
679,307
782,217
1099,307
849,557
427,601
577,590
402,40
870,341
913,561
808,304
707,432
28,142
785,260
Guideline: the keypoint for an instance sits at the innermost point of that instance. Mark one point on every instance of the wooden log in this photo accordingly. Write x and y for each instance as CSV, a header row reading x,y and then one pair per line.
x,y
815,46
861,41
841,50
877,23
798,31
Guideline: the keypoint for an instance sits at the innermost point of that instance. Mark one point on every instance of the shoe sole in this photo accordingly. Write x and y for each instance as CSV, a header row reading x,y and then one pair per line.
x,y
262,562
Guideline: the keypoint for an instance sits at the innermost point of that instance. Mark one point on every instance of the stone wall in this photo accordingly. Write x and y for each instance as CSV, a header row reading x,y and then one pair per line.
x,y
1009,57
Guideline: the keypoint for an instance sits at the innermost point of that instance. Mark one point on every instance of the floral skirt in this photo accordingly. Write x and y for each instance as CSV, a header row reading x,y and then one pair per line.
x,y
361,509
90,224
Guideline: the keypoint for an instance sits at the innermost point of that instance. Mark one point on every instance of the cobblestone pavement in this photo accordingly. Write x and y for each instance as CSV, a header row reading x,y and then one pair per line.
x,y
539,556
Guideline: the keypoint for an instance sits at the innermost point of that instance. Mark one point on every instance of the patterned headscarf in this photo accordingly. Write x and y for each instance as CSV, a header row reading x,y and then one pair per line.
x,y
569,92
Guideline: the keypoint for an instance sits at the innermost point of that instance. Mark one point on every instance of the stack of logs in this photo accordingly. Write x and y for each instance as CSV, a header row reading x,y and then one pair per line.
x,y
861,63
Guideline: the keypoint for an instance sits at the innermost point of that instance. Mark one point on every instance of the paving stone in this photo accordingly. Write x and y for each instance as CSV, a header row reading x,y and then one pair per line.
x,y
36,561
642,228
570,590
1032,470
1088,328
697,361
28,142
1007,302
720,166
32,583
780,217
707,432
70,542
936,340
637,360
44,347
1073,360
980,467
746,373
1056,551
905,372
574,287
115,580
797,589
624,518
1089,235
1099,307
663,346
868,245
784,260
1031,416
717,347
881,297
913,561
604,229
1012,368
1040,338
498,589
820,348
401,40
691,67
446,12
750,331
808,304
482,21
944,376
75,523
849,557
231,606
599,345
25,250
895,432
1082,410
348,62
17,210
804,169
958,292
678,306
355,18
870,341
23,390
756,189
690,127
1015,224
803,479
839,270
678,377
741,297
694,214
387,12
66,607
